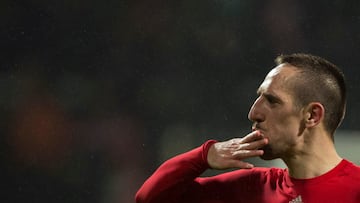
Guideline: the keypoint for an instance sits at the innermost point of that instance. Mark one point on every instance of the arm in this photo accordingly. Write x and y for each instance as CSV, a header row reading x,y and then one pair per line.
x,y
178,175
174,176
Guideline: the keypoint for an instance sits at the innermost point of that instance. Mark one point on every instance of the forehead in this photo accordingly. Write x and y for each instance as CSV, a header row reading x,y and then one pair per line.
x,y
278,80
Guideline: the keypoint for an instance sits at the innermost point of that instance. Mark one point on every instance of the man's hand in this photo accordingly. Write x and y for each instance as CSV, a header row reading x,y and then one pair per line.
x,y
229,154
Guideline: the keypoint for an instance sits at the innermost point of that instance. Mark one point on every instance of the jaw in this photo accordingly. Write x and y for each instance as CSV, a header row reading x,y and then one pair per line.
x,y
268,153
271,152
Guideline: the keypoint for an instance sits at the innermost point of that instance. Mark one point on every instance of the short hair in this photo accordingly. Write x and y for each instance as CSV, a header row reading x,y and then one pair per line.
x,y
319,81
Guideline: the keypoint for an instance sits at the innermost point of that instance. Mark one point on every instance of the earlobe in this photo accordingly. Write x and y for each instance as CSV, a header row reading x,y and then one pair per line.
x,y
314,114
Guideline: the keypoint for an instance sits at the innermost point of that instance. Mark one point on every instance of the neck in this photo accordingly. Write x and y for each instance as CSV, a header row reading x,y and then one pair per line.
x,y
313,158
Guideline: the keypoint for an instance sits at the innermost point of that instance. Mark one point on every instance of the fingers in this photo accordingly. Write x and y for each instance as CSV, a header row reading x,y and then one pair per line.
x,y
249,146
253,145
253,136
231,153
252,141
240,164
242,154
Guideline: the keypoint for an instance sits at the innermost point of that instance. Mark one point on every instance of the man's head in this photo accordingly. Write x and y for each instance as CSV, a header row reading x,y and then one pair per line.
x,y
302,91
318,81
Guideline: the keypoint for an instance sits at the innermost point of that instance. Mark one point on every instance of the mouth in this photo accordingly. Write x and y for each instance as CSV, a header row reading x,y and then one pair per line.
x,y
255,127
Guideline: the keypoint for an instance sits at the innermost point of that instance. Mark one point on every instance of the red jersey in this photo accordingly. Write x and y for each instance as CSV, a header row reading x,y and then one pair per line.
x,y
177,181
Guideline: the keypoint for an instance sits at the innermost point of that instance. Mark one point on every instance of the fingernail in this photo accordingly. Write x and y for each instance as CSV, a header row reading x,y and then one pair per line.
x,y
250,166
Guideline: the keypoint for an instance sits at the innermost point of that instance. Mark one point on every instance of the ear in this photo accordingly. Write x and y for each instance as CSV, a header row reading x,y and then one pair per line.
x,y
314,114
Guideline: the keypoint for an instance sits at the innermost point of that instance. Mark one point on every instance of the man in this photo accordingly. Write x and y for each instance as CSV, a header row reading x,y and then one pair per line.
x,y
300,104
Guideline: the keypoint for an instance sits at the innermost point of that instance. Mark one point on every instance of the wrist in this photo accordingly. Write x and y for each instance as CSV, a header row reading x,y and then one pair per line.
x,y
206,146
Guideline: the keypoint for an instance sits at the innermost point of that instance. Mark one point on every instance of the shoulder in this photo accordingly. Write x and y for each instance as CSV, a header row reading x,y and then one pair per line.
x,y
345,173
347,179
350,168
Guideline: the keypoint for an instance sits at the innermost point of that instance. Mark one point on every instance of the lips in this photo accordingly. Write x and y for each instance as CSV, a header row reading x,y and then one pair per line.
x,y
253,127
256,126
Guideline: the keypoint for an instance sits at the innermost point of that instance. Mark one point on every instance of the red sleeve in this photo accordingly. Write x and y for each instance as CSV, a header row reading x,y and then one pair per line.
x,y
175,177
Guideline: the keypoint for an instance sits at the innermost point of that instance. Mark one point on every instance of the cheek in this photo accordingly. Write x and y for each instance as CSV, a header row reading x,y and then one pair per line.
x,y
285,130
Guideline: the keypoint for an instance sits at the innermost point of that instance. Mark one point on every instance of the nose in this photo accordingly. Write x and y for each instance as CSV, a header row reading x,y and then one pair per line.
x,y
255,113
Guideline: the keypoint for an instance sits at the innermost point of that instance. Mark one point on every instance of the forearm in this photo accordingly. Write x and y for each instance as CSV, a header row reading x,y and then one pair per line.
x,y
175,176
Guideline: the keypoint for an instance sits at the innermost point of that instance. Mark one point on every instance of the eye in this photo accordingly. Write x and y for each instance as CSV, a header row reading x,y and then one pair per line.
x,y
271,99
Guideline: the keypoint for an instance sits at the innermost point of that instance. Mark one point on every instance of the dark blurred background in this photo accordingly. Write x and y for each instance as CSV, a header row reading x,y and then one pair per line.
x,y
96,94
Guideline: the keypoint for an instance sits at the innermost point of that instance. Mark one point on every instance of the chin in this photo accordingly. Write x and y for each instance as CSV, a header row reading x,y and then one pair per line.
x,y
268,153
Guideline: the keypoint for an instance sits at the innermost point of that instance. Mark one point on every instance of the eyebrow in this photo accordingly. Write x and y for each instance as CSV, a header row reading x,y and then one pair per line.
x,y
269,96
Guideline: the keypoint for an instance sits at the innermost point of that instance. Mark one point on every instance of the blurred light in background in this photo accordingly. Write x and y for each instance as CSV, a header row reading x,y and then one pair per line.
x,y
94,95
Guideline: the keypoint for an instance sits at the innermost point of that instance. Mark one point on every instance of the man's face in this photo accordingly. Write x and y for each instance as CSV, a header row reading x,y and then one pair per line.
x,y
274,113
